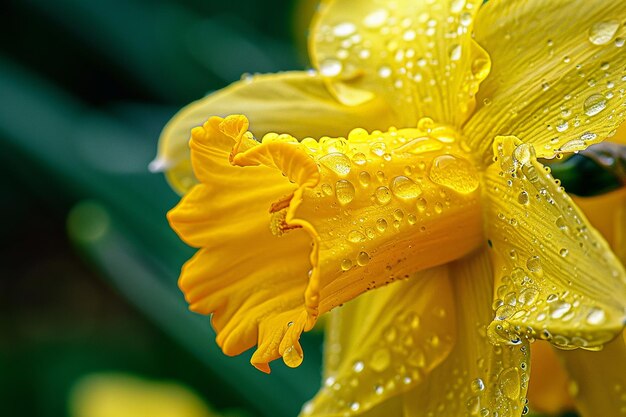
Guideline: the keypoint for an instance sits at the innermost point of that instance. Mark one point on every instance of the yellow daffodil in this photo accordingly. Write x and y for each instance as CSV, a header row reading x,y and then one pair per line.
x,y
417,176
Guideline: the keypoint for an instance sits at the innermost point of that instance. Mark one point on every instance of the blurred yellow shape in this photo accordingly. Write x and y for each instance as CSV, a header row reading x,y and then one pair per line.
x,y
121,395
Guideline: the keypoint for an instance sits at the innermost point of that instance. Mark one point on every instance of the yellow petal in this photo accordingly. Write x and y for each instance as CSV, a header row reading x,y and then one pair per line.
x,y
385,205
477,378
417,55
385,342
607,213
556,277
294,102
558,74
254,297
598,379
548,391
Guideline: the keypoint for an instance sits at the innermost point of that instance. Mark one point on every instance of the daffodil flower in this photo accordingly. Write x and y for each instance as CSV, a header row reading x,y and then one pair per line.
x,y
405,170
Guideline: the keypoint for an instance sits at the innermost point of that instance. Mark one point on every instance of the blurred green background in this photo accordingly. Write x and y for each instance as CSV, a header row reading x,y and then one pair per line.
x,y
88,266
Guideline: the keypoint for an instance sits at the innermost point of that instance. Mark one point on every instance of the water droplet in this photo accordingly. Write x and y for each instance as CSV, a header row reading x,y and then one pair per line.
x,y
381,225
602,33
378,389
473,406
510,383
354,406
562,126
358,366
594,104
337,162
455,173
534,265
384,71
421,205
344,191
523,153
355,236
412,218
587,136
365,178
466,19
563,252
523,198
359,158
383,195
455,52
596,316
560,309
376,18
380,359
330,68
405,188
362,259
292,357
344,29
477,385
438,207
528,296
327,189
378,148
346,264
456,6
358,135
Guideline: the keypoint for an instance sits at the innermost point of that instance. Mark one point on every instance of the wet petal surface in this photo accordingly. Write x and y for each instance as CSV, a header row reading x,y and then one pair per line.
x,y
558,80
417,55
556,277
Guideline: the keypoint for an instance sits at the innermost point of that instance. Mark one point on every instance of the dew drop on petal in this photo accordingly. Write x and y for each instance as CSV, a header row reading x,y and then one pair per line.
x,y
510,383
455,52
602,33
422,204
330,67
456,6
344,29
346,264
383,195
477,385
344,191
523,153
376,18
405,188
523,198
384,71
358,366
596,316
362,258
355,236
455,173
365,178
594,104
359,158
292,357
337,162
381,225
